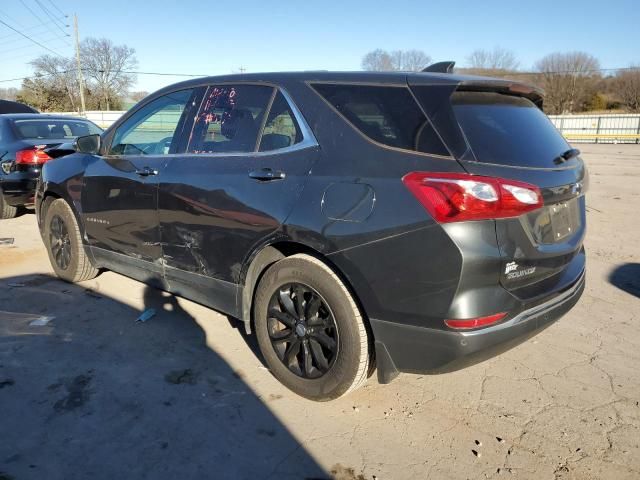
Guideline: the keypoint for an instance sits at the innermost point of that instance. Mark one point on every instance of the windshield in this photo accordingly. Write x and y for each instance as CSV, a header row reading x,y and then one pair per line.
x,y
507,130
57,129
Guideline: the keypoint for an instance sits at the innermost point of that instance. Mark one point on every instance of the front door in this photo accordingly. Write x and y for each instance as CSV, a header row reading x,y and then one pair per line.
x,y
120,189
243,170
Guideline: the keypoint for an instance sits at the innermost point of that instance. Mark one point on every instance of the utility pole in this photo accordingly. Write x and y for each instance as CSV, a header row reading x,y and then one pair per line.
x,y
80,77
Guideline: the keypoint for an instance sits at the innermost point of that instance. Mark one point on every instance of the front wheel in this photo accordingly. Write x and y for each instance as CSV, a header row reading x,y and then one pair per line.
x,y
309,329
64,244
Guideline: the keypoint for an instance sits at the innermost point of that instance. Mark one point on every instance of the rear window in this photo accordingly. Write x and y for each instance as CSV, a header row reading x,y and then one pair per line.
x,y
54,129
387,115
507,130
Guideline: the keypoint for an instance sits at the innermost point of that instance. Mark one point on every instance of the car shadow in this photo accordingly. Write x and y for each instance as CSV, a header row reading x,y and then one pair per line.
x,y
627,277
88,392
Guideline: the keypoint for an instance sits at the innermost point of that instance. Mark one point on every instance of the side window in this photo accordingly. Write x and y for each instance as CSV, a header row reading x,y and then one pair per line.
x,y
230,119
150,130
387,115
281,129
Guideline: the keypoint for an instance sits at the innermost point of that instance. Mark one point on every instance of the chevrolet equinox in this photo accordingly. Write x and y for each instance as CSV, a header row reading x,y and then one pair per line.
x,y
409,222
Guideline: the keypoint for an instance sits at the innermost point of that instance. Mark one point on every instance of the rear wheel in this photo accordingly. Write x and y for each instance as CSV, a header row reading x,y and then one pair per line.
x,y
309,329
6,210
64,244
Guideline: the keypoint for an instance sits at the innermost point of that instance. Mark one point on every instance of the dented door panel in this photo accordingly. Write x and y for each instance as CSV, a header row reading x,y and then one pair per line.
x,y
213,214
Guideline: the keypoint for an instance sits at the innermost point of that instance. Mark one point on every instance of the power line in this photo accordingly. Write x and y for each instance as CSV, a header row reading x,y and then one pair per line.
x,y
57,23
57,19
37,17
47,40
29,38
123,71
167,74
56,7
28,29
9,17
17,39
34,76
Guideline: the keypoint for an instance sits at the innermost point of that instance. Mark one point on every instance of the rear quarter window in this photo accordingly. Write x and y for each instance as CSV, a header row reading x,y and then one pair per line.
x,y
385,114
507,130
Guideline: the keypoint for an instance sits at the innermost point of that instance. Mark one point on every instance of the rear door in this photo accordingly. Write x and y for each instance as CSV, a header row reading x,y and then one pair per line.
x,y
508,136
120,189
242,171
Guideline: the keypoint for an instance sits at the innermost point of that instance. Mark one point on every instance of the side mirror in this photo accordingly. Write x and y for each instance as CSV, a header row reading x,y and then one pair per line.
x,y
88,144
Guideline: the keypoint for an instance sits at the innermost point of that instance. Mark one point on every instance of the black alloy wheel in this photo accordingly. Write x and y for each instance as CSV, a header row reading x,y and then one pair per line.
x,y
63,240
302,330
60,242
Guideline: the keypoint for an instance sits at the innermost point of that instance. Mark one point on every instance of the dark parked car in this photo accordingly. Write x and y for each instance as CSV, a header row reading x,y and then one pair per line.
x,y
8,106
416,222
27,141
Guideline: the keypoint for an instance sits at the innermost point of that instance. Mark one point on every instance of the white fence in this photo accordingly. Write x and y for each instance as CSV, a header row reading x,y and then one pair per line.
x,y
599,128
575,128
102,118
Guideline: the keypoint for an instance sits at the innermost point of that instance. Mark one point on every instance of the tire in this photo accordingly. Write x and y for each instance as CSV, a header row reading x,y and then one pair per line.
x,y
7,211
62,238
345,367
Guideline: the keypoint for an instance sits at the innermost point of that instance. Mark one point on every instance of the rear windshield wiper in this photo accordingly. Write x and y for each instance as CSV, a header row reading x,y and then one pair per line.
x,y
568,155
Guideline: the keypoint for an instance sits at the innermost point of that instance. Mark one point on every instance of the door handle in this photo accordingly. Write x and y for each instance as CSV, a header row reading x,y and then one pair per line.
x,y
266,175
146,172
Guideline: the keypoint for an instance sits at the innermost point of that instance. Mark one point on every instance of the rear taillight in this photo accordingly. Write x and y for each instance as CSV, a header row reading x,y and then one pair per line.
x,y
456,197
32,156
468,323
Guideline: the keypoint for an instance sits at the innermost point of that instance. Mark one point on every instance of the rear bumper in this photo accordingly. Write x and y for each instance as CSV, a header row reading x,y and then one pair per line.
x,y
412,349
18,188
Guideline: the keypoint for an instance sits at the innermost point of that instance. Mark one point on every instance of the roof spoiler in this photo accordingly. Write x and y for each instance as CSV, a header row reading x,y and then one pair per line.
x,y
510,87
440,67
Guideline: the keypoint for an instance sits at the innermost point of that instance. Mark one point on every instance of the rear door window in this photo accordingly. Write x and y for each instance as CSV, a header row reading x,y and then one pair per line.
x,y
507,130
385,114
229,119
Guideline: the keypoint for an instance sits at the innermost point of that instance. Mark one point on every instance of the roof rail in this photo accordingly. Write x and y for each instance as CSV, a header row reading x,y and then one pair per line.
x,y
440,67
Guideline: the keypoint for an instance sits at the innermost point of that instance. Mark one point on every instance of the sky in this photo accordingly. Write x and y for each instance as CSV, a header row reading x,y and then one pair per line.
x,y
219,37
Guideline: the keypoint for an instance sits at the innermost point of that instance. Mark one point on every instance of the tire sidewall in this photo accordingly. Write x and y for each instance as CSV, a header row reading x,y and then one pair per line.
x,y
60,208
6,211
343,372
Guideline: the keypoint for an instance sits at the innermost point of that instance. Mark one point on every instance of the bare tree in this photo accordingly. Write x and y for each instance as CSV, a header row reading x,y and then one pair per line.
x,y
496,59
398,60
9,93
568,79
409,60
58,74
627,86
108,67
137,96
377,60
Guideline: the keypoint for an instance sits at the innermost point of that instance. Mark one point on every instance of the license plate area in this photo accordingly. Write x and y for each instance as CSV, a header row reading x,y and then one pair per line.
x,y
554,223
561,221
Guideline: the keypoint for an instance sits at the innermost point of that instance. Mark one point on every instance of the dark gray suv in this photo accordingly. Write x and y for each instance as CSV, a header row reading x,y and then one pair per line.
x,y
413,222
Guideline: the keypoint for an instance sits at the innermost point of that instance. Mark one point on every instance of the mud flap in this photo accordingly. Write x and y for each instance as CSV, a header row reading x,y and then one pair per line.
x,y
387,370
